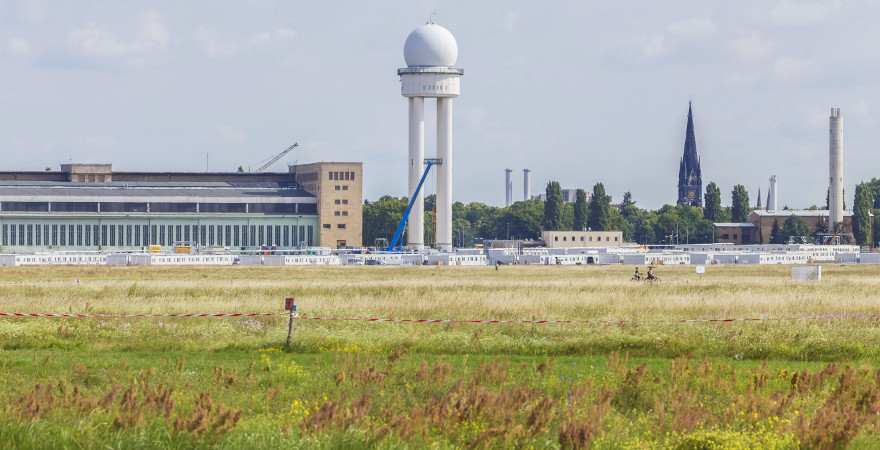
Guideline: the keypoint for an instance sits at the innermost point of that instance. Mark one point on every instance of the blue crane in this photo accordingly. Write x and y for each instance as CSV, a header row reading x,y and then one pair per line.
x,y
395,240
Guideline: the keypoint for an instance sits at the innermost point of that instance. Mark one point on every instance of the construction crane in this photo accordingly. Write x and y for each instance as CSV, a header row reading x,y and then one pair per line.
x,y
398,233
275,158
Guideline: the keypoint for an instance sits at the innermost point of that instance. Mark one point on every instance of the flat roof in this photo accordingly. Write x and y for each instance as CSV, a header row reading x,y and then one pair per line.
x,y
734,224
262,192
796,212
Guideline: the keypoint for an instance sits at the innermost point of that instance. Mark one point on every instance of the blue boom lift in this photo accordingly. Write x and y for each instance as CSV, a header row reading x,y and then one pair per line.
x,y
398,233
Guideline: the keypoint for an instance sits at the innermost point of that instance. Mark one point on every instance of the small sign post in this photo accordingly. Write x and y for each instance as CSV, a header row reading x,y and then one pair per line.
x,y
290,305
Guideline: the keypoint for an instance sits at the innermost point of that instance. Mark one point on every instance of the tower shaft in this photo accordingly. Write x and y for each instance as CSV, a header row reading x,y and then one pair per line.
x,y
835,168
415,228
444,174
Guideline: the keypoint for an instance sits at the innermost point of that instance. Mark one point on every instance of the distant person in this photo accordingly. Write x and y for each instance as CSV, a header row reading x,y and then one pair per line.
x,y
651,276
637,276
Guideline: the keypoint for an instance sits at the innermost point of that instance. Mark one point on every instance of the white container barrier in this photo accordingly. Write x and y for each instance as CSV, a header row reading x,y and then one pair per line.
x,y
118,259
846,258
311,260
869,258
806,273
250,260
192,260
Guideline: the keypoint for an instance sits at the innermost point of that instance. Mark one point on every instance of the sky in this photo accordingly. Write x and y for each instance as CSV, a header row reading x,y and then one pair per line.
x,y
577,91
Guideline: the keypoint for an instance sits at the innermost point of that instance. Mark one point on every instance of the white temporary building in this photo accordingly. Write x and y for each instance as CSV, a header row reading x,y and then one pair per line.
x,y
452,259
774,258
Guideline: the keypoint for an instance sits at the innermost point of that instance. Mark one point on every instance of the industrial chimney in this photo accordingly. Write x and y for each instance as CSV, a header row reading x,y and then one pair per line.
x,y
835,168
527,184
773,195
508,187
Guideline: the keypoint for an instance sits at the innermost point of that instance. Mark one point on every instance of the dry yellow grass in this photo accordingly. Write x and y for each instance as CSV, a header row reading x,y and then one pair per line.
x,y
513,292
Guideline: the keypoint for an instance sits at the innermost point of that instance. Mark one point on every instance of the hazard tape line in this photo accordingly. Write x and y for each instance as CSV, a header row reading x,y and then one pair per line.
x,y
133,315
436,321
583,322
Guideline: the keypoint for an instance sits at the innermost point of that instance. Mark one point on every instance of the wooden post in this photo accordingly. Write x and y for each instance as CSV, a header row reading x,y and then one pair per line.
x,y
290,305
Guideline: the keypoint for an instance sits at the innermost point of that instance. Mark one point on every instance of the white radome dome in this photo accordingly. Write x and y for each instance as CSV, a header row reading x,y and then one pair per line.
x,y
430,45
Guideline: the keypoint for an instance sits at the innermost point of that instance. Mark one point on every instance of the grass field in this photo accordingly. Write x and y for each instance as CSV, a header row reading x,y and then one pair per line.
x,y
628,374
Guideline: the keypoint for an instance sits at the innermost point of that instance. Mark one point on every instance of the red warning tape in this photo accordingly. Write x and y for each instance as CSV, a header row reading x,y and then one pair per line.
x,y
124,316
438,321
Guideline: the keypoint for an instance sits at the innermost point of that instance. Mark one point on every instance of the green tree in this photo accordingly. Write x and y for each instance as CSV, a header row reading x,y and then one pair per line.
x,y
380,218
580,210
739,209
796,229
776,234
876,227
862,220
522,220
628,208
712,201
553,207
600,204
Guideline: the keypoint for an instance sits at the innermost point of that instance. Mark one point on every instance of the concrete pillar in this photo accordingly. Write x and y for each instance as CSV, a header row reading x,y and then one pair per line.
x,y
835,168
527,184
508,187
415,226
773,196
444,174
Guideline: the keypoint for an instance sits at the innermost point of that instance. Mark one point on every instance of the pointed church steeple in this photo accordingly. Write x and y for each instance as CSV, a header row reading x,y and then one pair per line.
x,y
758,206
690,177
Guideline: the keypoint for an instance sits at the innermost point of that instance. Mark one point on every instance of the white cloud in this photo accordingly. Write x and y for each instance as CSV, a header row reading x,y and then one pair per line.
x,y
231,135
691,28
94,42
19,47
510,21
751,48
217,46
655,47
279,35
32,11
791,69
803,12
212,44
687,33
100,142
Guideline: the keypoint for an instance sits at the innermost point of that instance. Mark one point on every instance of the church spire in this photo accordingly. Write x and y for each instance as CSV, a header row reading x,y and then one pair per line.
x,y
690,177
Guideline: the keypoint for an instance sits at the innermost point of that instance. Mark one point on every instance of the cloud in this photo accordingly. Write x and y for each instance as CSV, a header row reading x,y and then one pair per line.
x,y
276,36
212,44
93,42
803,12
231,135
19,47
510,21
690,33
32,11
751,48
792,69
691,28
217,46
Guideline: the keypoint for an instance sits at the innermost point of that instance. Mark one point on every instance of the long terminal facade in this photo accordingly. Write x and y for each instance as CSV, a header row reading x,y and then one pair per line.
x,y
89,207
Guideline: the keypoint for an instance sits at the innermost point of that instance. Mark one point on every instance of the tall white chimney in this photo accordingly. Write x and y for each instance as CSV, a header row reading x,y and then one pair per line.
x,y
835,168
527,184
773,195
508,187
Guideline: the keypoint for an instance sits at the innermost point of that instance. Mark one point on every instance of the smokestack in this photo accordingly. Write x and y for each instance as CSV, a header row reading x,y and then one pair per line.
x,y
508,187
835,168
772,195
527,184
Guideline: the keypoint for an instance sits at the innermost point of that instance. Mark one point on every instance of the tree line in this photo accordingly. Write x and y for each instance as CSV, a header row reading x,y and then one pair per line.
x,y
670,224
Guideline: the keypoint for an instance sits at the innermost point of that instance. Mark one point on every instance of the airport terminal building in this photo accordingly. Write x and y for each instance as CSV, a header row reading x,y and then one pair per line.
x,y
91,207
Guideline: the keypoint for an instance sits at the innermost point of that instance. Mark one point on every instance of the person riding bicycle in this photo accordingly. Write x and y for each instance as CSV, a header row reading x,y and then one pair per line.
x,y
650,276
637,276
